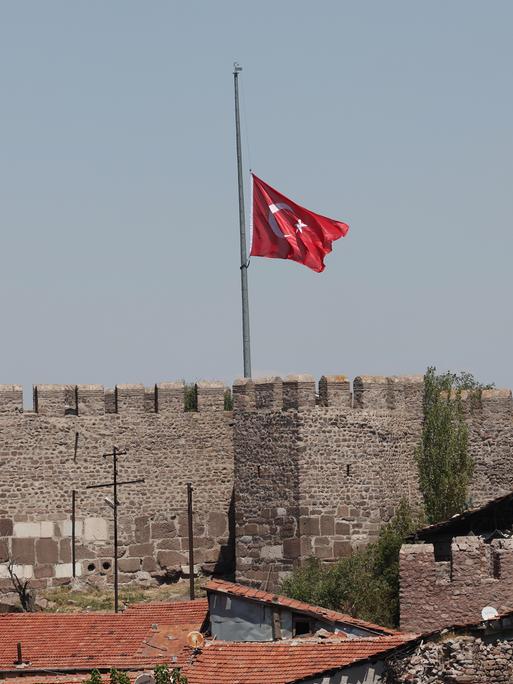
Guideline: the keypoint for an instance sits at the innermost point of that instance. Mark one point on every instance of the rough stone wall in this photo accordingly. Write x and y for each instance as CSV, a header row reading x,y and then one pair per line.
x,y
436,594
314,473
265,472
328,469
462,659
47,453
490,418
317,475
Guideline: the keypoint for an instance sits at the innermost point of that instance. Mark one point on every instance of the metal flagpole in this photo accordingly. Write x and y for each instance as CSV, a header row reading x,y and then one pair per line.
x,y
246,347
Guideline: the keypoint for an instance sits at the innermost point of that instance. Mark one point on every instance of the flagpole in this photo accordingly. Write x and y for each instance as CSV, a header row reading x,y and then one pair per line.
x,y
246,347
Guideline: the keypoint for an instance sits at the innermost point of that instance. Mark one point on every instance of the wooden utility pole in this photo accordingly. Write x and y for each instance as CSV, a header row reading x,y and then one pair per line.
x,y
115,484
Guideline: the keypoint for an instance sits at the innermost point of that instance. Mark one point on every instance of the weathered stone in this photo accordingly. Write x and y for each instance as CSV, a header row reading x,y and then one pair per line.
x,y
170,558
129,564
291,548
47,551
6,527
141,550
23,551
217,524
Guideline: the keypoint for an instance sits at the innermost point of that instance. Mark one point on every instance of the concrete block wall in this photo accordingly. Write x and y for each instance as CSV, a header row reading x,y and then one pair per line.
x,y
58,447
436,594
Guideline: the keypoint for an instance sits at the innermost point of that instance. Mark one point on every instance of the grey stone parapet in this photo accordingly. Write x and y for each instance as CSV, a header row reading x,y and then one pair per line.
x,y
244,395
334,390
125,399
210,395
269,393
298,392
383,392
373,392
11,399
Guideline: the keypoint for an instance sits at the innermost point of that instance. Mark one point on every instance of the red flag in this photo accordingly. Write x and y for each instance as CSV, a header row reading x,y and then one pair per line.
x,y
284,230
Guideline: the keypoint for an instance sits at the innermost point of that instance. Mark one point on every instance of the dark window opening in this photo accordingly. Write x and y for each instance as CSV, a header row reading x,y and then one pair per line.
x,y
258,471
442,551
496,565
348,469
106,565
91,567
301,626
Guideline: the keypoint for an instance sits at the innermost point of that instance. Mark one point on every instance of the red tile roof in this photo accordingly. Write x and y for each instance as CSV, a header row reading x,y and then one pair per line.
x,y
266,597
282,662
141,637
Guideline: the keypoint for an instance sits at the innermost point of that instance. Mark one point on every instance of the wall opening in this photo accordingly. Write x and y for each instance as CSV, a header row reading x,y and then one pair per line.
x,y
300,625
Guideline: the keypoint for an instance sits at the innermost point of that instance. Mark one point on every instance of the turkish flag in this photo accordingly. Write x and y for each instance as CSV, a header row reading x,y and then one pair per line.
x,y
284,230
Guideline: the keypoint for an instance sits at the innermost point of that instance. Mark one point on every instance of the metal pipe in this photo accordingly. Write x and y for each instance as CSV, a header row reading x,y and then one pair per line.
x,y
115,489
246,342
191,541
73,531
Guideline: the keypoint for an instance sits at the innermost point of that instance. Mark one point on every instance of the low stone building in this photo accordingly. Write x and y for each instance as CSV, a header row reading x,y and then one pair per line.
x,y
454,569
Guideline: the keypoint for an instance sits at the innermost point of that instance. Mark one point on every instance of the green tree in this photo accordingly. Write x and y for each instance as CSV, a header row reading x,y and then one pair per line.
x,y
94,678
366,584
444,462
117,677
163,675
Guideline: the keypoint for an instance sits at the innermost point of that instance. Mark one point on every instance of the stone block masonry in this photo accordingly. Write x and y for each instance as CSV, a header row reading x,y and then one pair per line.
x,y
306,470
435,594
58,447
317,473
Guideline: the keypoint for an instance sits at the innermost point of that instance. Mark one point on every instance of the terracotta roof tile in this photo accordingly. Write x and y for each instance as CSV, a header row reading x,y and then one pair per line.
x,y
141,637
282,662
266,597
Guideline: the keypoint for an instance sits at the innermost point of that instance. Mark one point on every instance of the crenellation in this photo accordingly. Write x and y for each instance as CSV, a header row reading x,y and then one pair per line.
x,y
210,395
170,397
269,393
298,392
55,400
437,593
11,399
110,400
90,400
244,398
150,399
130,398
371,391
335,391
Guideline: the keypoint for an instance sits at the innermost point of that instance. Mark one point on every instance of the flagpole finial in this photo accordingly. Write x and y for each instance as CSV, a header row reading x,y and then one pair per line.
x,y
236,68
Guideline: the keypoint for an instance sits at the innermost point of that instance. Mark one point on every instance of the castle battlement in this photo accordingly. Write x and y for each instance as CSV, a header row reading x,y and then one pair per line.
x,y
88,400
459,582
373,392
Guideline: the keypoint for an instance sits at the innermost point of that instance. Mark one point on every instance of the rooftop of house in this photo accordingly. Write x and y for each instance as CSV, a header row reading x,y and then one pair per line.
x,y
333,616
492,519
143,636
283,662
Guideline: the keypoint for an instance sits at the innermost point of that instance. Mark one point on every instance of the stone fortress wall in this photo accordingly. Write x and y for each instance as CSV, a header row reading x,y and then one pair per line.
x,y
318,469
58,447
295,470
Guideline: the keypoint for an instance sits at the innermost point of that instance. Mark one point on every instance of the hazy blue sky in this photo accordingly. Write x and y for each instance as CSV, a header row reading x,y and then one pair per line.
x,y
118,198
